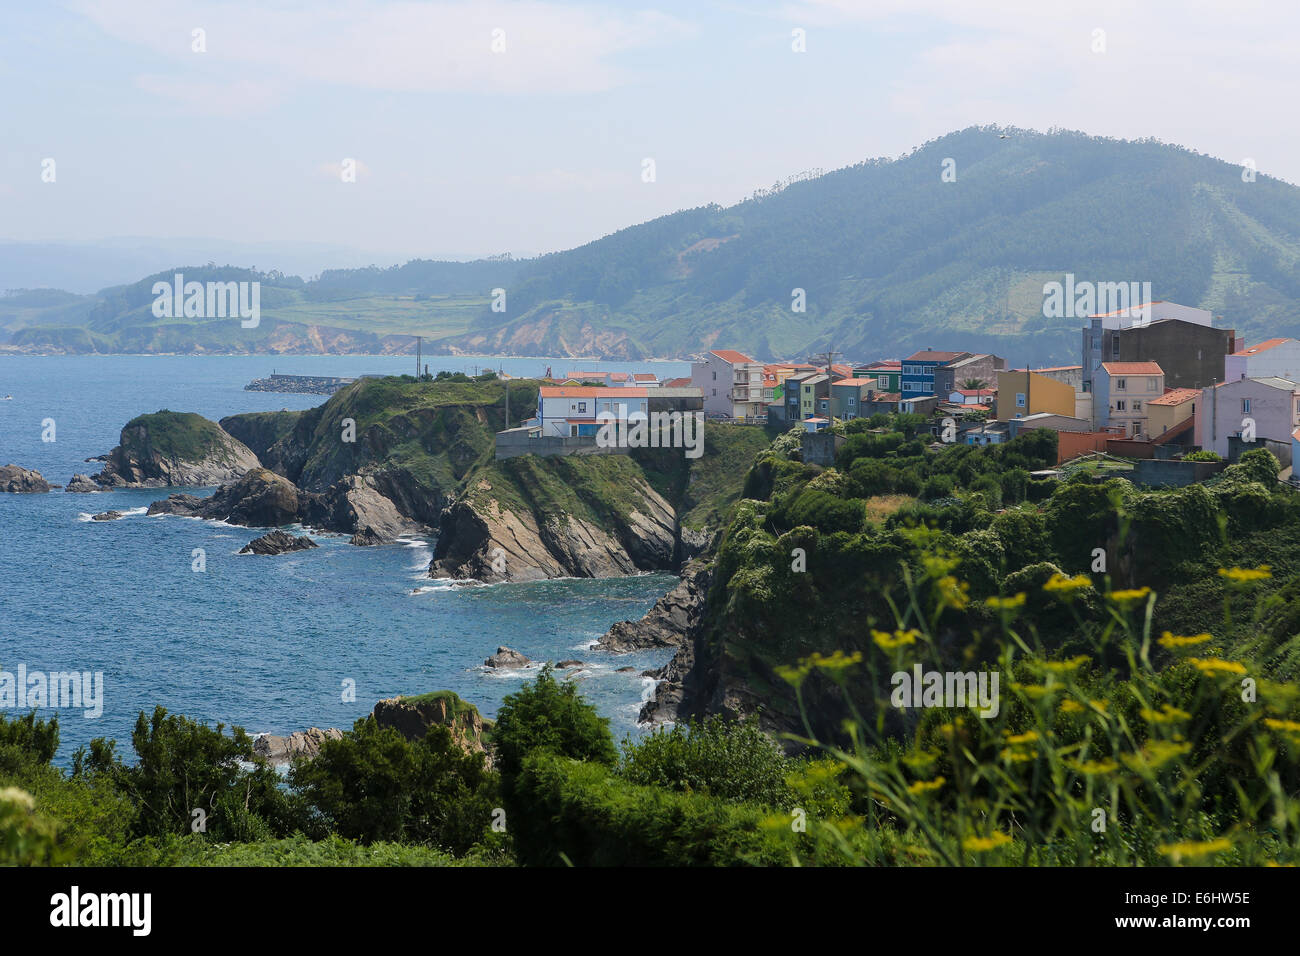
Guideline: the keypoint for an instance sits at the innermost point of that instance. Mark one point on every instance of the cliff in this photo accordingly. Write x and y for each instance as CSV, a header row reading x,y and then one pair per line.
x,y
175,449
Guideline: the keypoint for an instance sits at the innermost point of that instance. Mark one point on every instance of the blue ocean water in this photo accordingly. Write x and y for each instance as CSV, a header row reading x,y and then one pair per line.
x,y
266,643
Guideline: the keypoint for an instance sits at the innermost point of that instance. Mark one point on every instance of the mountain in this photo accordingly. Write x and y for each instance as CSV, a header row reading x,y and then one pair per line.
x,y
889,255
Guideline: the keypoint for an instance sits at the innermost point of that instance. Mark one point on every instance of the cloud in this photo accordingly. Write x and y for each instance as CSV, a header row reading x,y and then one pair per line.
x,y
484,46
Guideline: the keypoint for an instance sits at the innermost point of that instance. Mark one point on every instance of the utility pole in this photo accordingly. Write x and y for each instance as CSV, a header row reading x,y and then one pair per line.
x,y
419,341
507,381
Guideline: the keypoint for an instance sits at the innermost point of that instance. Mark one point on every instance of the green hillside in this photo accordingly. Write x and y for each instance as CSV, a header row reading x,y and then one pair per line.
x,y
890,258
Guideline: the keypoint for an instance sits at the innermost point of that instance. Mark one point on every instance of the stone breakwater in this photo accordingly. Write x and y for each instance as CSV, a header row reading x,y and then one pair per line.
x,y
300,384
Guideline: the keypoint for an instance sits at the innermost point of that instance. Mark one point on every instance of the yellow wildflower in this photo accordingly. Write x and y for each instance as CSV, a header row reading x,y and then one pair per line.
x,y
889,642
1064,587
1193,850
1156,754
1129,596
1245,575
1172,641
1007,603
953,593
984,844
1093,768
1165,715
1062,667
926,786
1212,665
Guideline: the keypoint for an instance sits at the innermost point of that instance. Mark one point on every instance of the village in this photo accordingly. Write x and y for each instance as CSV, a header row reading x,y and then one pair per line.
x,y
1155,384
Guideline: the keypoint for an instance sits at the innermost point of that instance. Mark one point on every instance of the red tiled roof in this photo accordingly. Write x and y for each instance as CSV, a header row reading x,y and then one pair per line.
x,y
646,377
677,383
1261,347
590,391
850,380
1058,368
1133,368
1176,396
731,355
887,397
976,392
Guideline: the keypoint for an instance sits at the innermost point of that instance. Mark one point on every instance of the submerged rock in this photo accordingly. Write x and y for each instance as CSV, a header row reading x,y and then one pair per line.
x,y
106,516
22,481
278,542
506,658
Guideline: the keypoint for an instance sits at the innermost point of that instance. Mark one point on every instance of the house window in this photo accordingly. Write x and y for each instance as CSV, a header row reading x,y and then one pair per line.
x,y
715,393
1153,385
1245,406
852,401
1020,399
824,404
1120,406
882,381
582,407
1114,345
1137,406
1121,384
715,375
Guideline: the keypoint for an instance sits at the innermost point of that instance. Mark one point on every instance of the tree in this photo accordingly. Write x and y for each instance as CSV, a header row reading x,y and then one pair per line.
x,y
549,715
374,785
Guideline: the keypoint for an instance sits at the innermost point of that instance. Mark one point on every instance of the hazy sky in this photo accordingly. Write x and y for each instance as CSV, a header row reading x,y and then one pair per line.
x,y
461,149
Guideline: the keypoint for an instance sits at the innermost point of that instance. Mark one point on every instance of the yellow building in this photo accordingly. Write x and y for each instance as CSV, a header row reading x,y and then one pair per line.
x,y
1171,409
1022,393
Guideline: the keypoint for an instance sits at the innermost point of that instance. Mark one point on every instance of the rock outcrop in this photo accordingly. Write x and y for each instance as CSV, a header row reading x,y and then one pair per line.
x,y
83,484
300,743
259,499
413,716
672,621
490,536
278,542
106,516
175,449
354,504
22,481
507,659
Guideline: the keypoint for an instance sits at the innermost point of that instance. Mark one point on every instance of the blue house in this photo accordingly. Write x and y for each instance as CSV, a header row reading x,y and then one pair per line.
x,y
918,371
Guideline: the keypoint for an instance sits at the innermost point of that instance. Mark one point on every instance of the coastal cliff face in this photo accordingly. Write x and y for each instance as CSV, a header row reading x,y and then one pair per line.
x,y
529,518
175,449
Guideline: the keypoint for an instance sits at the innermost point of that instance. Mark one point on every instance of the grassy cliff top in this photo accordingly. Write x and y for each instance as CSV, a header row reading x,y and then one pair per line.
x,y
185,436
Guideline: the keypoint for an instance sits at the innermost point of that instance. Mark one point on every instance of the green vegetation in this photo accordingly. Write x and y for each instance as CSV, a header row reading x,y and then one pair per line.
x,y
179,436
888,263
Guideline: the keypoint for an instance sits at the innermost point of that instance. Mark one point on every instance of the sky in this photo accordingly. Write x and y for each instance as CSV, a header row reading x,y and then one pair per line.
x,y
494,126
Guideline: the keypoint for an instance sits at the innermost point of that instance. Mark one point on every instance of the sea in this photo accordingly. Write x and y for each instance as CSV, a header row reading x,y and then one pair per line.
x,y
269,644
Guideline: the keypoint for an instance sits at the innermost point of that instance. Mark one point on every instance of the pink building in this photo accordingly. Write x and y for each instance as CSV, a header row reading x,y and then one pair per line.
x,y
1269,406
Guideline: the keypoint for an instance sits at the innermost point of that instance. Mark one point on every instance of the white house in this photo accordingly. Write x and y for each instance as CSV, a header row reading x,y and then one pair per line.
x,y
566,410
732,384
1272,358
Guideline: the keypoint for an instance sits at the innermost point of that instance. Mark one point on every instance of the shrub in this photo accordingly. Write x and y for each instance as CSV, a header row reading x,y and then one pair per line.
x,y
549,715
730,760
373,785
185,766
